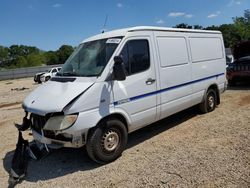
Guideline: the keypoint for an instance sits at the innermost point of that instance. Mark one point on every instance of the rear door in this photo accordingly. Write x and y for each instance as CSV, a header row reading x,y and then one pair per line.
x,y
136,95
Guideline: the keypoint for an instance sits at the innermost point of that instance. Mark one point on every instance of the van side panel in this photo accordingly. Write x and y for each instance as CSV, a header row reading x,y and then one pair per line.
x,y
174,70
208,63
205,48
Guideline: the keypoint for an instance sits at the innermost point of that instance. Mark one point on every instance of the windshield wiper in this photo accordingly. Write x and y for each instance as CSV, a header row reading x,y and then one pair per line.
x,y
67,74
89,75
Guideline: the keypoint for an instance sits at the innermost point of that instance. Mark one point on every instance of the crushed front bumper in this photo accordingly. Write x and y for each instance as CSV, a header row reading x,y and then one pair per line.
x,y
76,141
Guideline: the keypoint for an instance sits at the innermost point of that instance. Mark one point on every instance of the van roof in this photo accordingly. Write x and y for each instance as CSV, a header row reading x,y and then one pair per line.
x,y
122,32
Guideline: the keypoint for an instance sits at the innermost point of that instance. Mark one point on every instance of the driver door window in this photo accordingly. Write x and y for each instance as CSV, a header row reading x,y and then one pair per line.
x,y
135,55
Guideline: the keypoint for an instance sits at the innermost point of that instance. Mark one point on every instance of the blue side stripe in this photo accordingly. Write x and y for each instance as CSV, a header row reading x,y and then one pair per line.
x,y
167,89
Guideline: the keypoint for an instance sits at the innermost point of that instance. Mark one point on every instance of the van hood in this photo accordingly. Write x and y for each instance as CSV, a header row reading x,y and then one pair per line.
x,y
53,96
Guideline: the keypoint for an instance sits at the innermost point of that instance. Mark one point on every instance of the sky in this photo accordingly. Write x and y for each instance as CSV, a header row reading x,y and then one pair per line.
x,y
48,24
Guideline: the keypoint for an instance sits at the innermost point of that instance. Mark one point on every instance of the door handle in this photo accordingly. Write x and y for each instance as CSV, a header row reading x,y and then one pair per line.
x,y
150,81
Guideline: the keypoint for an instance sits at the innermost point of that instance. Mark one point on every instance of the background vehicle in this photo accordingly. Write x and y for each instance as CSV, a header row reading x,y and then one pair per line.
x,y
120,81
239,70
47,75
37,77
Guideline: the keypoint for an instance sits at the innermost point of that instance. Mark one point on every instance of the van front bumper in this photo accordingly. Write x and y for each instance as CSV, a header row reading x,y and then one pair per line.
x,y
76,141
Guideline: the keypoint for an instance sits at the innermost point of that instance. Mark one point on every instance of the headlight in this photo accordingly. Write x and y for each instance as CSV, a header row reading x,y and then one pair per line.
x,y
60,122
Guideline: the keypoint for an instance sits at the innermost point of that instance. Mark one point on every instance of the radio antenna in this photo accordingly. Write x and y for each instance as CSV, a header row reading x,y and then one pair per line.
x,y
105,22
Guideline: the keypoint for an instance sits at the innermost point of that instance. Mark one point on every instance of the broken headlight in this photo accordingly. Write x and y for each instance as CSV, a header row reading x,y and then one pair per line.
x,y
60,122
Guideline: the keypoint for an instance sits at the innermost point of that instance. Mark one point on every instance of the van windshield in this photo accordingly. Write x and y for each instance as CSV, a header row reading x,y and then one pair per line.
x,y
90,58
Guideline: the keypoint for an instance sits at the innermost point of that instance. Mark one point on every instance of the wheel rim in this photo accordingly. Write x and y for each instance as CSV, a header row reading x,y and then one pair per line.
x,y
110,141
211,101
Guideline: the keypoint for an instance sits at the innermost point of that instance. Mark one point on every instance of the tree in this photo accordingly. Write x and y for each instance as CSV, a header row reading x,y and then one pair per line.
x,y
22,62
198,27
35,60
183,26
213,27
27,50
242,25
51,58
22,50
15,51
64,52
3,54
230,35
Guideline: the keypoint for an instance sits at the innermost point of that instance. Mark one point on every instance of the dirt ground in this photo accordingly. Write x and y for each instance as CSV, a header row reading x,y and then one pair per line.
x,y
184,150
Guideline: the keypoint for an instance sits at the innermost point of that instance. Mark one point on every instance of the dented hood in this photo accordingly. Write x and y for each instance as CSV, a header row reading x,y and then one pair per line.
x,y
53,96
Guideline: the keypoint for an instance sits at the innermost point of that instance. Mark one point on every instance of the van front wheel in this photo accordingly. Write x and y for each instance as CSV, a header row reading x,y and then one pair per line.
x,y
107,141
209,103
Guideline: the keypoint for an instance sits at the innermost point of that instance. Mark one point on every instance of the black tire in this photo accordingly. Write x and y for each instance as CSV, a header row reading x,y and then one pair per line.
x,y
209,103
107,141
47,78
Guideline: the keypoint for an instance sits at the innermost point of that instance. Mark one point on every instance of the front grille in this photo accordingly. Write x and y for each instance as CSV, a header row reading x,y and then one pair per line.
x,y
38,122
241,67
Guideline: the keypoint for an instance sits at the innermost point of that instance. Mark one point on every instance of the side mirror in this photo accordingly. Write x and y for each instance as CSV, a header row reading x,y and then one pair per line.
x,y
119,69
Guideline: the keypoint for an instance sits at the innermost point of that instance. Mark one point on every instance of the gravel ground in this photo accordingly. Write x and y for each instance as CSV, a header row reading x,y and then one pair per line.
x,y
184,150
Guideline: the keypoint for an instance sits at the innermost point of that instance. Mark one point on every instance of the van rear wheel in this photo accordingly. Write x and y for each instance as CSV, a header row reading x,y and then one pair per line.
x,y
107,141
209,103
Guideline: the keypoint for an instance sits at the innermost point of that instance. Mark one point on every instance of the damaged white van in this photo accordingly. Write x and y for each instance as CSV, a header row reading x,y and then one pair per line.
x,y
120,81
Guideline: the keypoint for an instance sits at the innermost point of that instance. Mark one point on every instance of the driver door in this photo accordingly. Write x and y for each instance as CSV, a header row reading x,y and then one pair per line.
x,y
137,94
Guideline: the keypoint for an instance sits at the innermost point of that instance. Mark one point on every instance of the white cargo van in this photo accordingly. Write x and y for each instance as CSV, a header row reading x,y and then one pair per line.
x,y
120,81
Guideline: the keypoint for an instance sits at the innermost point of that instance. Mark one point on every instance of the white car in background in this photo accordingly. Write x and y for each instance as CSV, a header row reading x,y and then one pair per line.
x,y
51,73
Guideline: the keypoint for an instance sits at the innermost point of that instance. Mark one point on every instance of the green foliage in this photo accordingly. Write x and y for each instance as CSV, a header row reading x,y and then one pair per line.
x,y
183,26
3,53
232,33
20,56
51,58
21,50
17,56
198,27
19,62
35,60
64,52
238,31
186,26
242,26
59,56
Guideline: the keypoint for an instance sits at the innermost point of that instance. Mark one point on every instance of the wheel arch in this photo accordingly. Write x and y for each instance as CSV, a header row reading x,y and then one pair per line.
x,y
214,86
116,115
